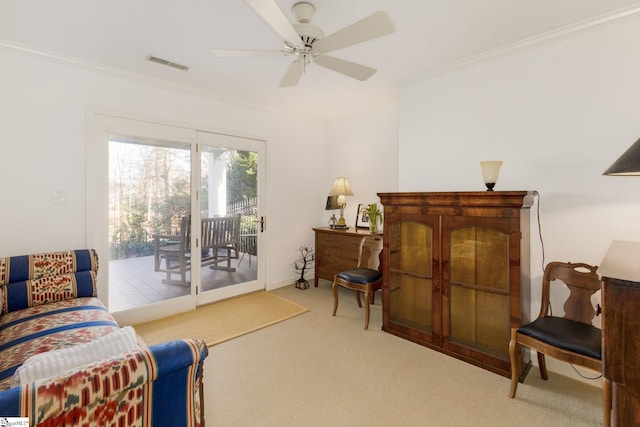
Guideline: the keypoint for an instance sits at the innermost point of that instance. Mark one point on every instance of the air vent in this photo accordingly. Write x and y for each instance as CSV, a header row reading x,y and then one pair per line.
x,y
167,63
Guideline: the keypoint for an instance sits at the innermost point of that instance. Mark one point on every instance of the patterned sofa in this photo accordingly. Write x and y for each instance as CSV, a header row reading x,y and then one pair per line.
x,y
49,307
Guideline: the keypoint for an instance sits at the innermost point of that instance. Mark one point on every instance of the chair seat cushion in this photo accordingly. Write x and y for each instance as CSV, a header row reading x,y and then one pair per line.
x,y
360,275
566,334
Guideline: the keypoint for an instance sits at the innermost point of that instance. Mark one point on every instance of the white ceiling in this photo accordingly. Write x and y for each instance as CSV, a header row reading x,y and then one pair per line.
x,y
429,35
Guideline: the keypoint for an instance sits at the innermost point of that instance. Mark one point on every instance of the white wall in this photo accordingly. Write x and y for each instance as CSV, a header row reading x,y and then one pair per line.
x,y
43,103
558,116
363,148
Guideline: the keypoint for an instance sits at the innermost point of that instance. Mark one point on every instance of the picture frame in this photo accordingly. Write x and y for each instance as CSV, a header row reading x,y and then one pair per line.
x,y
332,203
362,218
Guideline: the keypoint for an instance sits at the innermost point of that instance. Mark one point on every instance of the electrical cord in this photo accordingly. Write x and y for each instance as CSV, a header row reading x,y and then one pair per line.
x,y
543,265
540,229
584,376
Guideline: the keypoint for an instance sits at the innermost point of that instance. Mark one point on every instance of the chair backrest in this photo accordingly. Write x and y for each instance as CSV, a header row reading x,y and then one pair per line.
x,y
220,232
369,252
582,281
185,234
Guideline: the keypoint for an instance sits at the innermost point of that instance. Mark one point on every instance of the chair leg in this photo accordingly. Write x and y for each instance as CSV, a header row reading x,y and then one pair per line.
x,y
358,298
366,307
334,288
167,264
543,366
607,397
514,368
183,270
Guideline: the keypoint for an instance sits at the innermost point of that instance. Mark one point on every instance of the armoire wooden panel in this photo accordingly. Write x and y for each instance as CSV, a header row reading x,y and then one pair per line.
x,y
456,272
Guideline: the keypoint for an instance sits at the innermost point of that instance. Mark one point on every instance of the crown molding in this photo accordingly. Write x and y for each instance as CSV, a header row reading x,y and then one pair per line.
x,y
574,30
153,81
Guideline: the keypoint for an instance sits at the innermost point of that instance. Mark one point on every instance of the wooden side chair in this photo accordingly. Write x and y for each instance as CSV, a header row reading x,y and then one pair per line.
x,y
365,277
571,338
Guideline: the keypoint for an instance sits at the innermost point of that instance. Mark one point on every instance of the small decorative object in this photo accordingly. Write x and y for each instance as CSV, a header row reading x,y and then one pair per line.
x,y
302,264
490,171
333,221
362,218
371,215
332,203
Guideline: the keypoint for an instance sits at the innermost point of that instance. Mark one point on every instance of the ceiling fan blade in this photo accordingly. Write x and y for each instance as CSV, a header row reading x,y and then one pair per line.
x,y
272,15
225,53
293,74
377,25
348,68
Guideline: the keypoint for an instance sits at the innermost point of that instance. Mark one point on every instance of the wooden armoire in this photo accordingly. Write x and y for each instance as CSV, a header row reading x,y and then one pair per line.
x,y
456,272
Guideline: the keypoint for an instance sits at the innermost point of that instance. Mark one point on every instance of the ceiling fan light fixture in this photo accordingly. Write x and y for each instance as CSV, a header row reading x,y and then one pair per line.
x,y
307,41
309,33
303,11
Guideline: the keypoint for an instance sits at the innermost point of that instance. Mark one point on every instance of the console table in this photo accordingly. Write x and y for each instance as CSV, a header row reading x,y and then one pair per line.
x,y
336,250
621,329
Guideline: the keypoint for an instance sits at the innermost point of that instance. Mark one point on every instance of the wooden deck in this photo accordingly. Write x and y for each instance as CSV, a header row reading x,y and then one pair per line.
x,y
134,283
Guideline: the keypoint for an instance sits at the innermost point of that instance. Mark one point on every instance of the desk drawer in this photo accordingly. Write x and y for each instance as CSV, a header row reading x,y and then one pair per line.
x,y
335,251
338,240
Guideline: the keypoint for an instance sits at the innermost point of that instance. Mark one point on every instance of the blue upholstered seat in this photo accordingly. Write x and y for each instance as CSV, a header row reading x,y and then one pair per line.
x,y
365,278
360,275
571,338
566,334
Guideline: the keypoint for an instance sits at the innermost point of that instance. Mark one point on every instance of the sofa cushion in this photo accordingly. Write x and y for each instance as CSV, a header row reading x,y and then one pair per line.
x,y
30,280
55,362
47,327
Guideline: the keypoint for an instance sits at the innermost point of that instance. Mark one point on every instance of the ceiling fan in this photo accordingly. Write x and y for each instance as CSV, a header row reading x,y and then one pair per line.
x,y
307,42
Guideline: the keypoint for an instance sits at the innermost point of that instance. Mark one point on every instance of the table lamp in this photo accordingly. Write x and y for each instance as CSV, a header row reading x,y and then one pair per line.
x,y
341,189
490,171
628,163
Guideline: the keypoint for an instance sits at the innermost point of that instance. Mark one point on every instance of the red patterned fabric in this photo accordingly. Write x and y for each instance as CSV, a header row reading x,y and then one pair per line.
x,y
4,276
49,303
35,279
114,392
52,288
49,327
121,391
48,264
52,264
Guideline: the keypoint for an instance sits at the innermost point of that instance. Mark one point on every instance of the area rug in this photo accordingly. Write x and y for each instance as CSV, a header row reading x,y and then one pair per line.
x,y
221,321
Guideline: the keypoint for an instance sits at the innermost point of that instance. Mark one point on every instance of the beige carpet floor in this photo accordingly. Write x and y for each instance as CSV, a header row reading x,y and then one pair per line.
x,y
319,370
221,321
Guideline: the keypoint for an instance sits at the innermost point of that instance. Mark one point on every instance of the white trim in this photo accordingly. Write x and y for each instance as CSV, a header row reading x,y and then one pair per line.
x,y
572,30
216,139
154,311
558,34
147,79
99,124
175,123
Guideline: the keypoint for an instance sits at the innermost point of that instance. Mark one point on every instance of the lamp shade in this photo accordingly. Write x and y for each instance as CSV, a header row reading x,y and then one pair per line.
x,y
341,187
490,170
628,163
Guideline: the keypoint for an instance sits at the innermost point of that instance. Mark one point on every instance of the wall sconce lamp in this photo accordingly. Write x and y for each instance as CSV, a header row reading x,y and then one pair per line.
x,y
628,163
341,189
490,171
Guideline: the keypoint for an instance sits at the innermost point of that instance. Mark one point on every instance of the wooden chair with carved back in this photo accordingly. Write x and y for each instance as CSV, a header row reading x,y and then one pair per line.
x,y
365,278
571,338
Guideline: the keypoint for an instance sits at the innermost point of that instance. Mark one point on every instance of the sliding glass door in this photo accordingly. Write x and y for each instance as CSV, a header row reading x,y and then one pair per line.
x,y
174,214
231,170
